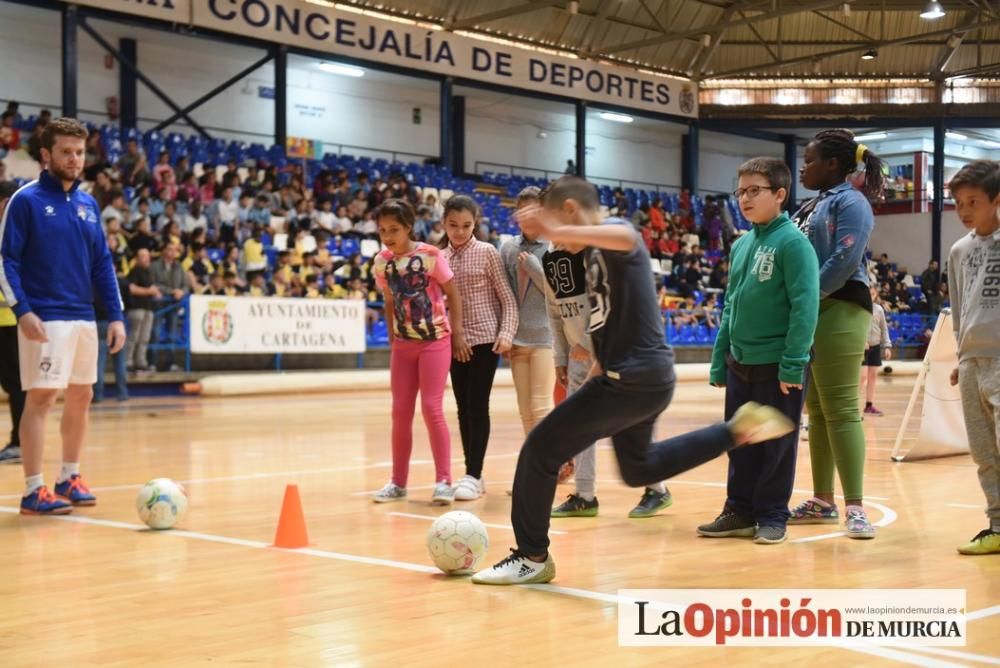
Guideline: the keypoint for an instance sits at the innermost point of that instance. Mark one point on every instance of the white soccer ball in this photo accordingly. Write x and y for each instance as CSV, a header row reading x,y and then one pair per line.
x,y
160,503
457,542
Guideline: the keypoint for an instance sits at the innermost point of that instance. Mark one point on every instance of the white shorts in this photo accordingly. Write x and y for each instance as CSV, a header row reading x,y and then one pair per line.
x,y
68,358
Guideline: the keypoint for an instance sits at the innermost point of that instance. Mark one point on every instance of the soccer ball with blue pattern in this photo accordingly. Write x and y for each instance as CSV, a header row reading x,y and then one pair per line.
x,y
160,503
457,542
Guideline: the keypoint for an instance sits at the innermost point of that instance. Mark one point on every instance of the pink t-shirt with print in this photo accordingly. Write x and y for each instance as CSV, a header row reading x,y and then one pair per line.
x,y
415,280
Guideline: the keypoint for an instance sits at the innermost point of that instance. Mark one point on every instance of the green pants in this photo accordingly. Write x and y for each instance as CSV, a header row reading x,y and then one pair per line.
x,y
836,437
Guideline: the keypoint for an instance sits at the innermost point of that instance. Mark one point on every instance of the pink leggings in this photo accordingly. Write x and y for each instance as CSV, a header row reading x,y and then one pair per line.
x,y
423,366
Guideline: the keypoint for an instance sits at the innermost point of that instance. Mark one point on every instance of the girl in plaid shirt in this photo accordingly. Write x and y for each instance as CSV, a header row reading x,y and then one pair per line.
x,y
489,319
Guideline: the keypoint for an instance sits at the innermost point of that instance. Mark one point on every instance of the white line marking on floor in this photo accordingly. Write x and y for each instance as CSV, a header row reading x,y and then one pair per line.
x,y
965,505
494,526
275,474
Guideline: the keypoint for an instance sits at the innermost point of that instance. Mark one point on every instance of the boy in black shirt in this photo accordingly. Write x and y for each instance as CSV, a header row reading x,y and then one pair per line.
x,y
631,383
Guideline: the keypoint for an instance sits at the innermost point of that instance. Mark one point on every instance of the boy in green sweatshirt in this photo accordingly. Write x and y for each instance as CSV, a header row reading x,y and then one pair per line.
x,y
762,350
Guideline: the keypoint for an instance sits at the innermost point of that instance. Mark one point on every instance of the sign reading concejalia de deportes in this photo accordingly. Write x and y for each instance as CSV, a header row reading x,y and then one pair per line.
x,y
314,26
274,325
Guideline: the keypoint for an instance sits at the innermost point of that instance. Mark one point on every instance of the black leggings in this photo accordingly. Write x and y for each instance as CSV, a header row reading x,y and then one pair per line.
x,y
472,383
10,378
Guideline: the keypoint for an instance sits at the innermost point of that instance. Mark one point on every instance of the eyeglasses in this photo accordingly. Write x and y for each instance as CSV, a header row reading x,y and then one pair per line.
x,y
751,191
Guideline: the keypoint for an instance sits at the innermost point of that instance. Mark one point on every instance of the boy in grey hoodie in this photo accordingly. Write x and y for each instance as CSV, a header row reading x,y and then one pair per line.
x,y
974,288
569,317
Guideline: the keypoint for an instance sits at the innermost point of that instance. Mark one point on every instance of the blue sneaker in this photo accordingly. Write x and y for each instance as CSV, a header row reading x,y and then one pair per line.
x,y
44,502
75,491
812,512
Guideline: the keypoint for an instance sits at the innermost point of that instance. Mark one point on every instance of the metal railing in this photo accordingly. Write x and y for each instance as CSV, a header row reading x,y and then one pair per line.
x,y
550,174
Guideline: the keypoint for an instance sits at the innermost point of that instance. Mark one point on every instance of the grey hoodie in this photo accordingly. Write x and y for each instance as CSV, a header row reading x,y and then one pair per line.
x,y
568,304
528,284
974,290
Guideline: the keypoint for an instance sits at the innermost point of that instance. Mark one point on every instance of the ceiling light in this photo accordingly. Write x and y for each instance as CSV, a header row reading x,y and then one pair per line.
x,y
955,135
846,9
870,54
706,40
871,136
574,7
932,10
988,143
345,70
817,67
617,118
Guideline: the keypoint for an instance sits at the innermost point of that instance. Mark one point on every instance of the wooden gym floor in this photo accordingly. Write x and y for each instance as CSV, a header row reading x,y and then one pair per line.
x,y
97,590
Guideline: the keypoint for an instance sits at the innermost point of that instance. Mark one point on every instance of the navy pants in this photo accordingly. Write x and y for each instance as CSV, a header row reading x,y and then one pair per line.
x,y
761,477
602,408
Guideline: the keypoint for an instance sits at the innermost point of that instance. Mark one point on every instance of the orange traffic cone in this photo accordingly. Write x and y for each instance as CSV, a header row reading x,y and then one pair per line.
x,y
291,532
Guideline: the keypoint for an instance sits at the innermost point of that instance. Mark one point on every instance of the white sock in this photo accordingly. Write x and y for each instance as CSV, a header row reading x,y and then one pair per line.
x,y
33,482
995,525
856,507
69,469
659,488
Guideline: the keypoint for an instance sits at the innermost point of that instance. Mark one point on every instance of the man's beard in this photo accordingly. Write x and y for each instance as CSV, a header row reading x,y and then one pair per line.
x,y
64,174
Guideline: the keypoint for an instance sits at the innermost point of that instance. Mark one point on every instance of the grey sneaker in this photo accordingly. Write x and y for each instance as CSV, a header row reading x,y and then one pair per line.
x,y
858,525
391,492
728,525
651,503
10,455
444,494
768,535
517,569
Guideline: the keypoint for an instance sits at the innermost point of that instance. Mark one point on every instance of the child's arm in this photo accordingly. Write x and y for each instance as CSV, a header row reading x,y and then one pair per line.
x,y
801,270
533,267
717,372
560,346
460,349
508,305
536,220
886,341
390,312
955,283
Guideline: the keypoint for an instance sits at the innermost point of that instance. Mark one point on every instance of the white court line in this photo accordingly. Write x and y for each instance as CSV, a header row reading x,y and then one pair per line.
x,y
981,614
486,524
673,481
883,652
965,505
888,514
274,474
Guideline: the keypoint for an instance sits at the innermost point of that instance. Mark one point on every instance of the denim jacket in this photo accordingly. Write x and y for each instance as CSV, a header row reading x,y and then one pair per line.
x,y
838,228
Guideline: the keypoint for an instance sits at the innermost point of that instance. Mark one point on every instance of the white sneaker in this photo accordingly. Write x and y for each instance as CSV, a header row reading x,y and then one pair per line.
x,y
443,495
391,492
517,569
469,488
760,423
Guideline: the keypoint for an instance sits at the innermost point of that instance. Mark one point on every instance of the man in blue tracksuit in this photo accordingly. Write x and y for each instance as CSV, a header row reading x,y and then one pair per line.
x,y
54,263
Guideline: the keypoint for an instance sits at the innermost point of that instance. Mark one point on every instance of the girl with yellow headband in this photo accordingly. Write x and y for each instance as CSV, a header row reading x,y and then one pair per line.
x,y
838,223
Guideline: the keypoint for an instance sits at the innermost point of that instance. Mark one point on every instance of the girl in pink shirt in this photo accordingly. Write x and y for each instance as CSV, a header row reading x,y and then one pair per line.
x,y
414,278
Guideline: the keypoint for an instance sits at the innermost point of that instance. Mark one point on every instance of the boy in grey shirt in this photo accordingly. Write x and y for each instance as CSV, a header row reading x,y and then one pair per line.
x,y
974,287
573,353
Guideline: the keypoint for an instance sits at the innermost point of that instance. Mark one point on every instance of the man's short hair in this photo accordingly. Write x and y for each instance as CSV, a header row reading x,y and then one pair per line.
x,y
66,127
